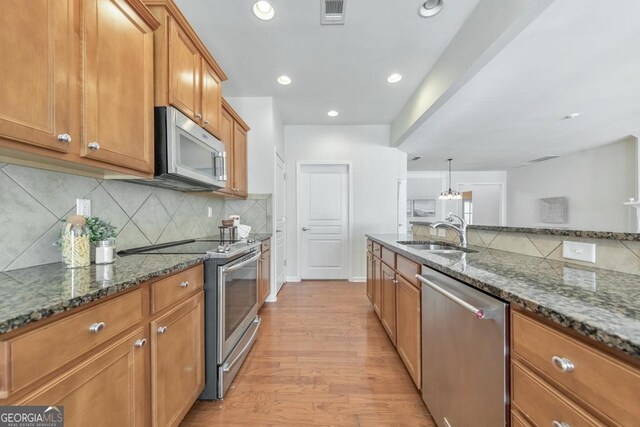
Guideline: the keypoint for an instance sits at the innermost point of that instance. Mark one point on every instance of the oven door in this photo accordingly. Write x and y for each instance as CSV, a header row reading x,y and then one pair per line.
x,y
193,152
238,301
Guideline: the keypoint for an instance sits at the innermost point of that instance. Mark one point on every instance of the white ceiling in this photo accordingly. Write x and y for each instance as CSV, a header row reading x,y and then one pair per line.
x,y
578,56
332,67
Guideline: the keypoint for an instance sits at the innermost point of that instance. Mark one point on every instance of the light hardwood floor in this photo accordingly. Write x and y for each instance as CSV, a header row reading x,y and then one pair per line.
x,y
321,358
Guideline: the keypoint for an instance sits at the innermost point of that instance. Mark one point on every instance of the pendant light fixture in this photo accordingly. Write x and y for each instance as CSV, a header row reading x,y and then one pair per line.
x,y
450,194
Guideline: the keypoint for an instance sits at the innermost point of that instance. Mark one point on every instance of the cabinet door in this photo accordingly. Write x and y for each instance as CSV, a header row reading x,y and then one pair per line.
x,y
370,277
106,390
184,73
118,86
265,275
211,100
226,135
409,328
240,160
177,357
388,308
37,72
377,286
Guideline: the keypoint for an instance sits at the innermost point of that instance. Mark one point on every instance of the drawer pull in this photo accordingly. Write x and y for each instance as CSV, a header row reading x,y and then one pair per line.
x,y
64,137
162,330
140,343
184,284
97,327
563,364
559,424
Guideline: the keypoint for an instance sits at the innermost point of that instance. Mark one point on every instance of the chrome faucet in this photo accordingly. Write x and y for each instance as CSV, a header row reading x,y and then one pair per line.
x,y
461,229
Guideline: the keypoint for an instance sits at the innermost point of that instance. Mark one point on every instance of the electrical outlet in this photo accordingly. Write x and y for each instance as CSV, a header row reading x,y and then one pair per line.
x,y
83,207
579,251
209,212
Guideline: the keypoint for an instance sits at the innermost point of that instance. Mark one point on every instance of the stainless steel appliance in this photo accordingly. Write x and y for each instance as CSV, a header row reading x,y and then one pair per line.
x,y
464,353
187,157
231,304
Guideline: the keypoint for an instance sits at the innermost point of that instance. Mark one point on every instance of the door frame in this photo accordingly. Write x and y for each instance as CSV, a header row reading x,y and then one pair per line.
x,y
273,286
349,165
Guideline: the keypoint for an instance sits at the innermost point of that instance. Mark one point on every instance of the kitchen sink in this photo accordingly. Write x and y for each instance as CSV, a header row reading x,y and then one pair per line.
x,y
434,246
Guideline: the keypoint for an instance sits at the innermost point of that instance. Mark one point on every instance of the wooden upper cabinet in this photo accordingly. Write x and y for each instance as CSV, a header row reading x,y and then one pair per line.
x,y
226,135
118,90
184,72
240,172
177,361
211,100
37,73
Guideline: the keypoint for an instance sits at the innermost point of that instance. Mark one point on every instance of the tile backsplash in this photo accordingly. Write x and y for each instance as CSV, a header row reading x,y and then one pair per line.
x,y
34,201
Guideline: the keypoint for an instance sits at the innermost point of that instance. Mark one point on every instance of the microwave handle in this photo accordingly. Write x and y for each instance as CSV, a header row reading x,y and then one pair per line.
x,y
219,175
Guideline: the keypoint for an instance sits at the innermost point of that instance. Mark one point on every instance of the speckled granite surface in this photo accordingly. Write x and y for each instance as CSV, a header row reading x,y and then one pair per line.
x,y
34,293
600,304
611,235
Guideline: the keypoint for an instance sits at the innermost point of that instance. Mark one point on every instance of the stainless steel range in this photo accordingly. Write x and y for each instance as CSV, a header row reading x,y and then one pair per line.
x,y
231,304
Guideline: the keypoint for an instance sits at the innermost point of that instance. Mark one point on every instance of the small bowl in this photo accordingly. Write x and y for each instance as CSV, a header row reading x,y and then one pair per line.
x,y
227,222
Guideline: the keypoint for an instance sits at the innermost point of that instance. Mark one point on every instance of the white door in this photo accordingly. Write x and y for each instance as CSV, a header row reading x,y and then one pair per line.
x,y
323,221
280,217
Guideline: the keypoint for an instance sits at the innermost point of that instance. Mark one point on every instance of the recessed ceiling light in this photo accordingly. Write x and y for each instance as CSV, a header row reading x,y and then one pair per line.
x,y
284,80
394,78
430,8
263,10
571,116
332,113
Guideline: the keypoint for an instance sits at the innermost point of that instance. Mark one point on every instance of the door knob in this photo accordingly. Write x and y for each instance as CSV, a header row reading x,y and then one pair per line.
x,y
94,146
305,229
65,137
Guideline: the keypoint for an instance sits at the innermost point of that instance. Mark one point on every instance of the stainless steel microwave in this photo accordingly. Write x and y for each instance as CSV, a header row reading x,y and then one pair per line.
x,y
187,157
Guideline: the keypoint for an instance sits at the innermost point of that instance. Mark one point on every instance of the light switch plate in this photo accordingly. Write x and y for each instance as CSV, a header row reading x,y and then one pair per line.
x,y
579,251
83,207
209,212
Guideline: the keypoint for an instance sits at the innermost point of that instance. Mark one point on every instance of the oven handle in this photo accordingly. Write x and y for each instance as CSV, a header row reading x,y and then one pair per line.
x,y
234,267
227,366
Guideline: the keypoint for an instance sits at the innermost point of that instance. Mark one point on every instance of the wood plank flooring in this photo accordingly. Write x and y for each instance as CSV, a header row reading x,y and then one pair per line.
x,y
321,358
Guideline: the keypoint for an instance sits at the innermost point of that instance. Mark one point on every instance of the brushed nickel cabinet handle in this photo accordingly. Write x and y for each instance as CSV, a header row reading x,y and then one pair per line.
x,y
64,137
563,364
93,146
97,327
184,284
206,122
162,330
140,343
555,423
198,116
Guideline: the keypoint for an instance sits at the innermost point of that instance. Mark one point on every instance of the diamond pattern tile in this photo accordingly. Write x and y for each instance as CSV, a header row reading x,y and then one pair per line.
x,y
129,196
151,218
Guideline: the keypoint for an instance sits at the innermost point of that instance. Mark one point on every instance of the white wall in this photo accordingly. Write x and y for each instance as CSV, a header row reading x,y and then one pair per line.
x,y
375,177
459,181
596,182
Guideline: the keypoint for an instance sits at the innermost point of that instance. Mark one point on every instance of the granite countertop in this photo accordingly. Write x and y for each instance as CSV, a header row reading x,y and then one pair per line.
x,y
34,293
600,304
564,232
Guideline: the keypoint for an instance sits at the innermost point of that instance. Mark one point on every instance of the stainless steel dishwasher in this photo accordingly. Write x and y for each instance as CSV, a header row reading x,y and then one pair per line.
x,y
464,353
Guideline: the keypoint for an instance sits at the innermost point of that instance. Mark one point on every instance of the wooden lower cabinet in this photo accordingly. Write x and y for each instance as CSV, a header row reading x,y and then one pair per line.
x,y
177,361
409,328
264,276
370,276
388,306
377,286
108,389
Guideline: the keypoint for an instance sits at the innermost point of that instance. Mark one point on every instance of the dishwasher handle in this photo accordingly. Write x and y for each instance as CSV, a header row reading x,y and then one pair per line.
x,y
479,313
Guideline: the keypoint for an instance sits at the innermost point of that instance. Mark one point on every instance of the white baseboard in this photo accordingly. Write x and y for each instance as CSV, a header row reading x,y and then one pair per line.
x,y
293,279
271,298
358,279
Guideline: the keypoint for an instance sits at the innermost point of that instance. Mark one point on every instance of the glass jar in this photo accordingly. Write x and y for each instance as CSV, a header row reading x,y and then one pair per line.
x,y
105,251
75,243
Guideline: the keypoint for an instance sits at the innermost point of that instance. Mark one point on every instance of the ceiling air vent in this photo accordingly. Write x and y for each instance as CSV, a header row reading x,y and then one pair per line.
x,y
542,159
333,12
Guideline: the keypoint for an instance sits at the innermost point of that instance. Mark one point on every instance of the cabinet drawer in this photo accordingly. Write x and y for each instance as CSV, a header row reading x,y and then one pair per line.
x,y
608,385
266,245
369,245
168,291
543,405
517,421
42,351
389,257
377,249
408,269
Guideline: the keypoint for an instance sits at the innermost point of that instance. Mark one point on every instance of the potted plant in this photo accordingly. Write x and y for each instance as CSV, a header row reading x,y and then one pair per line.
x,y
102,236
